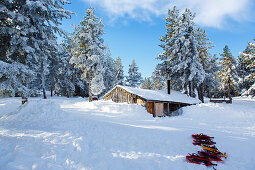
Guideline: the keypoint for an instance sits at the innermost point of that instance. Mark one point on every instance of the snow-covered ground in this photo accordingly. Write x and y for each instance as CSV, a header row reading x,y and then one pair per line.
x,y
61,133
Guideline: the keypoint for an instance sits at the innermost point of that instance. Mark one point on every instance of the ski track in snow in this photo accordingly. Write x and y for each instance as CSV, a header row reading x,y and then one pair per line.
x,y
60,133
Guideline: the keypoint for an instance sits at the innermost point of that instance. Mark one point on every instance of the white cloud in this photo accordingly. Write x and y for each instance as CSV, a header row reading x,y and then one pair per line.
x,y
208,12
215,12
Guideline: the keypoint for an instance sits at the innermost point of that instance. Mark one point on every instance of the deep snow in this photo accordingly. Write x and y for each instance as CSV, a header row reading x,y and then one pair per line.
x,y
61,133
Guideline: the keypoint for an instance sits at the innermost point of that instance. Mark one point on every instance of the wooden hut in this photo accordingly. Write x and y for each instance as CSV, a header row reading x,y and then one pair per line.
x,y
156,102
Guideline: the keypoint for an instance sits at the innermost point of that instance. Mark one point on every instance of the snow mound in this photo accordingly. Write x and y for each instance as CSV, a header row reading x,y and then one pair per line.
x,y
61,133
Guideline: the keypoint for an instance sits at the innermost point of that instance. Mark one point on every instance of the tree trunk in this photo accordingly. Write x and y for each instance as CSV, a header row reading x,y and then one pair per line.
x,y
185,88
90,92
43,81
44,94
51,92
207,91
236,92
200,92
69,92
190,89
229,90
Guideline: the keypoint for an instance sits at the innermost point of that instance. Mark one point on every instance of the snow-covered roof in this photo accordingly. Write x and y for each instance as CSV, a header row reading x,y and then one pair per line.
x,y
161,95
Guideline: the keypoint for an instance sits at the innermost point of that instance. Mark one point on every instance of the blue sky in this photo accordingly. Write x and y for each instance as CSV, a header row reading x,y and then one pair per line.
x,y
133,27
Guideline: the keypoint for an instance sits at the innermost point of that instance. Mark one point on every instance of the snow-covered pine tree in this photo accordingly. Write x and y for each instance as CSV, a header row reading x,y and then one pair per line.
x,y
173,40
207,62
54,61
89,50
69,81
191,65
6,27
242,72
158,79
249,59
134,78
44,17
147,84
14,79
64,82
180,58
119,73
15,75
109,74
211,82
228,74
33,39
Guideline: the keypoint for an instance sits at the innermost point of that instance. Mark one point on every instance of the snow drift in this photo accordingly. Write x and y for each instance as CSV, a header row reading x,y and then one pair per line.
x,y
61,133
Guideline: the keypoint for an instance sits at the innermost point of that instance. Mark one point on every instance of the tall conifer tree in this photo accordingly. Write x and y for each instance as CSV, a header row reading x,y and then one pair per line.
x,y
249,65
119,73
147,84
134,78
207,63
32,38
89,50
109,74
228,74
180,59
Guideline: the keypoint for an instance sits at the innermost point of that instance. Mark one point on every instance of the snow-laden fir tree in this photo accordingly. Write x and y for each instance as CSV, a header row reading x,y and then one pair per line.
x,y
180,59
64,83
33,27
134,78
14,73
147,84
6,27
71,76
249,59
53,68
44,17
193,69
109,74
227,74
89,50
119,73
242,72
173,47
158,81
211,82
14,79
207,63
69,81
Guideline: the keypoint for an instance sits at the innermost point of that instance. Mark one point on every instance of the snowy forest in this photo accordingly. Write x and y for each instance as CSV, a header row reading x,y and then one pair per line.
x,y
32,61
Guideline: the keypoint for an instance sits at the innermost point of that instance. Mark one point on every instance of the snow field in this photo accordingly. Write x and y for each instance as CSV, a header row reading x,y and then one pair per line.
x,y
61,133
